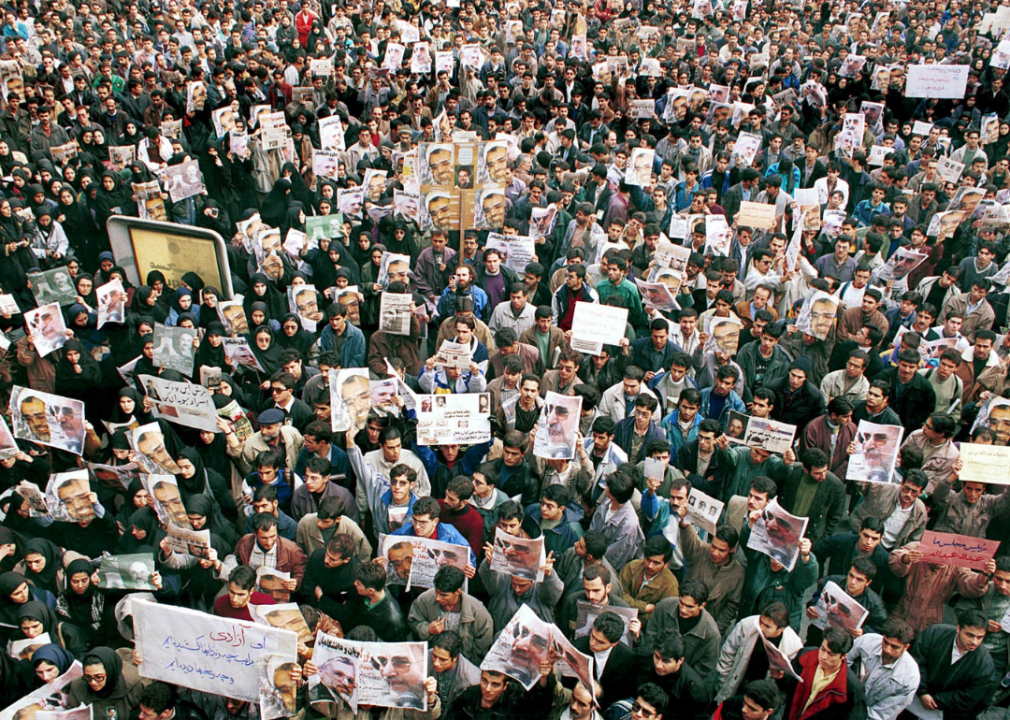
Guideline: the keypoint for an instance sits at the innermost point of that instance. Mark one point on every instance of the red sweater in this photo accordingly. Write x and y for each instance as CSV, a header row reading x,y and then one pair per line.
x,y
470,525
223,608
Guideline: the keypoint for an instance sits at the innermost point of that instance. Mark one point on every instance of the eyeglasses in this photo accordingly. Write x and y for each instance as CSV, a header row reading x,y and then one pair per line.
x,y
636,708
94,678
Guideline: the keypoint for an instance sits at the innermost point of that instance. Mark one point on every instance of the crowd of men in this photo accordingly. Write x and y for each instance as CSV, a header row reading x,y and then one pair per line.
x,y
103,101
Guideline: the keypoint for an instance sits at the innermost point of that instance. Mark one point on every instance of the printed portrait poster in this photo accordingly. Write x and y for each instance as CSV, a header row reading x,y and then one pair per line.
x,y
303,301
78,713
173,348
350,202
115,477
489,208
995,415
24,649
68,496
557,427
325,164
777,534
272,582
436,164
877,449
657,295
669,255
331,134
462,419
718,236
286,616
149,443
640,167
46,327
111,302
168,504
239,352
183,180
393,266
492,161
587,612
525,642
704,510
413,561
126,572
384,394
817,315
46,419
372,673
901,263
350,399
723,334
51,697
518,557
836,608
232,314
407,204
122,156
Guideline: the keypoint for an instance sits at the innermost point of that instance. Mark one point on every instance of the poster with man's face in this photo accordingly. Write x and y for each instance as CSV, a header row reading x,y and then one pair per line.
x,y
126,572
836,608
233,316
173,348
640,167
46,419
876,452
393,267
559,421
149,443
284,617
46,328
817,315
901,263
350,202
437,164
111,302
413,561
489,209
777,534
68,496
724,335
168,503
518,557
995,415
492,163
184,180
373,673
350,399
523,644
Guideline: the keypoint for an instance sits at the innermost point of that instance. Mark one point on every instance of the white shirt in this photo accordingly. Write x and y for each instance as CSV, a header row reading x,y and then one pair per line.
x,y
893,525
601,660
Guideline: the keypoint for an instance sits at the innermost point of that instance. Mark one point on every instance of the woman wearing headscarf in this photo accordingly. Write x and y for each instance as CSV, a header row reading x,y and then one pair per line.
x,y
294,219
43,564
12,548
145,302
199,580
15,592
197,479
36,618
131,406
210,298
131,134
16,247
216,218
370,288
83,323
48,240
266,350
77,374
292,336
142,532
275,207
325,263
111,198
136,499
210,353
50,661
84,283
263,290
82,604
299,190
182,303
104,686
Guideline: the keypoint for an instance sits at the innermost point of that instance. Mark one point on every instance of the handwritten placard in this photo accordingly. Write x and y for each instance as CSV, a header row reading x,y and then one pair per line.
x,y
207,653
957,550
593,322
756,215
937,81
985,464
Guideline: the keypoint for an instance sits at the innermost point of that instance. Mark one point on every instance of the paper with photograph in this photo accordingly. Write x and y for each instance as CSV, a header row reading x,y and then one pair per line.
x,y
877,449
69,497
46,419
518,557
557,427
777,534
350,399
46,328
126,572
463,419
836,608
413,561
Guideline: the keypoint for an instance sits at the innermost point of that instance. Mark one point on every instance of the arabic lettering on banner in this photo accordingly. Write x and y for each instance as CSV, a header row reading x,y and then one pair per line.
x,y
207,653
985,464
957,550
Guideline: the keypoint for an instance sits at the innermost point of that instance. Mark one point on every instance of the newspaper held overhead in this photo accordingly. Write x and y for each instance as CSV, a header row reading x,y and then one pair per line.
x,y
587,612
877,449
413,561
557,427
836,608
518,557
463,419
777,534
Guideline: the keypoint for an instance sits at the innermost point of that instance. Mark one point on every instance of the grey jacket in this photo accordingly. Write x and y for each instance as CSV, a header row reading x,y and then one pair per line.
x,y
542,598
701,643
475,626
879,502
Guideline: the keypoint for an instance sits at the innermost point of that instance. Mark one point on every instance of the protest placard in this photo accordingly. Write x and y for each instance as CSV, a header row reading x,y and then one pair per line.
x,y
596,323
669,255
413,561
518,557
777,534
350,398
68,495
115,477
937,81
836,608
372,673
8,447
521,646
24,649
395,312
238,350
901,263
949,170
173,348
203,652
763,433
183,403
557,427
284,616
462,419
756,215
704,510
876,452
46,328
46,419
985,464
718,235
587,612
184,180
186,541
111,302
517,251
126,572
657,295
957,550
723,334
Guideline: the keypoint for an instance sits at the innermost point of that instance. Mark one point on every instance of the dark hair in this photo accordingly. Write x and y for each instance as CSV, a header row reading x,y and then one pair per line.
x,y
840,642
970,617
864,566
777,612
264,521
610,626
427,506
670,646
728,534
621,485
656,545
900,630
694,589
158,697
243,576
598,572
916,477
763,693
341,544
371,574
448,640
764,484
654,695
449,579
596,544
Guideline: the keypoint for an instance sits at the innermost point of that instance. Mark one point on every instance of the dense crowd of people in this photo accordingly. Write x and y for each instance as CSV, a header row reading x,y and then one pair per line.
x,y
734,104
